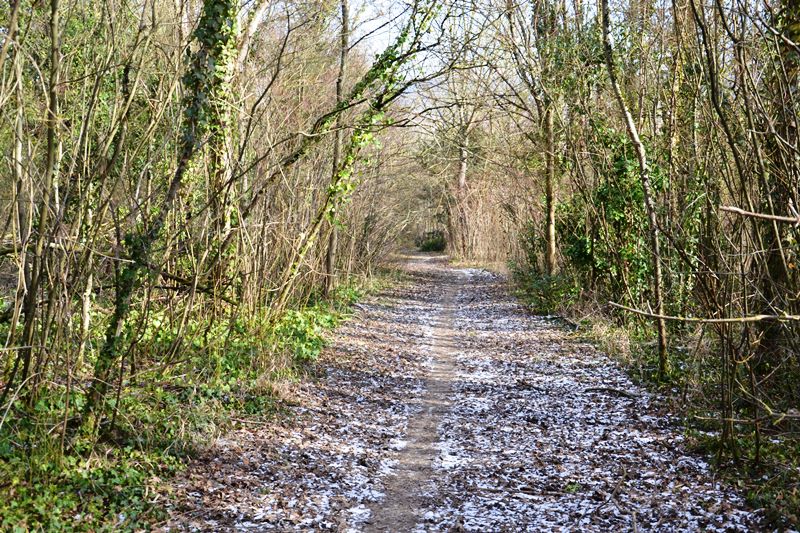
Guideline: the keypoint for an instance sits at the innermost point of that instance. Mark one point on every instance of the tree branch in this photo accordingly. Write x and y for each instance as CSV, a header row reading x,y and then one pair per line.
x,y
732,320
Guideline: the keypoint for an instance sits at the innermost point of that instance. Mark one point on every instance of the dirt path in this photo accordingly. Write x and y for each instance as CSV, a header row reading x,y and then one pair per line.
x,y
444,406
404,492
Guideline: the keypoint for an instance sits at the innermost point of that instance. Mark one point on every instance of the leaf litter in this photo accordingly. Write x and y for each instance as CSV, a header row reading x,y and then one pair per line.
x,y
541,432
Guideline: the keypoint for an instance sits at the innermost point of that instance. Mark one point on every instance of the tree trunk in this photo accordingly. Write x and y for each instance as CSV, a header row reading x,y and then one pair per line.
x,y
461,226
53,160
11,32
777,194
330,256
644,176
212,52
550,203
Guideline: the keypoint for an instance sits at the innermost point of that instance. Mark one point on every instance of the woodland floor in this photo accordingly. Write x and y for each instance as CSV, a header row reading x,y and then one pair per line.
x,y
443,405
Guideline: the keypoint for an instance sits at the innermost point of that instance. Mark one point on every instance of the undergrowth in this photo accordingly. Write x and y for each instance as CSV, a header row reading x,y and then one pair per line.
x,y
168,412
772,482
431,241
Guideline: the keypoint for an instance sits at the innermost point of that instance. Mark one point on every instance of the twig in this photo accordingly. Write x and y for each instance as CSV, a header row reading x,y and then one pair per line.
x,y
248,421
613,391
777,417
613,495
733,320
777,218
188,283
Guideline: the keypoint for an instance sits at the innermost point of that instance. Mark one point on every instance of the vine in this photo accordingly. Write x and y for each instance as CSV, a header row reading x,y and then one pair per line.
x,y
205,83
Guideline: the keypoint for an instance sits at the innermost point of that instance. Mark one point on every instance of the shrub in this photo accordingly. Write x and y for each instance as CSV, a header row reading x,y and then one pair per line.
x,y
546,294
431,241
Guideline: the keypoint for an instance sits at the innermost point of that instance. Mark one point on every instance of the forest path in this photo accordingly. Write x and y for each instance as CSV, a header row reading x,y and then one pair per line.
x,y
405,490
445,406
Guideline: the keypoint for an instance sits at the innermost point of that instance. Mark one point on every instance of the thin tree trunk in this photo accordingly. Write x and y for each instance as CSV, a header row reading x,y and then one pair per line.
x,y
11,33
330,256
550,156
193,133
23,196
461,226
644,176
37,261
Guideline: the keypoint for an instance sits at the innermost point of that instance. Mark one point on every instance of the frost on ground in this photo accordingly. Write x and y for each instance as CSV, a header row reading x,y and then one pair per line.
x,y
547,434
540,432
322,468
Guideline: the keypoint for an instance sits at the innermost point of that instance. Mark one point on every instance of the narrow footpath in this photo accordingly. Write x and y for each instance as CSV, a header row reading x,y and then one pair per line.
x,y
443,406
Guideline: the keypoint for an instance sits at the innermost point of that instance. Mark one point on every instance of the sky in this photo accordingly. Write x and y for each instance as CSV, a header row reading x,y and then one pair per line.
x,y
376,22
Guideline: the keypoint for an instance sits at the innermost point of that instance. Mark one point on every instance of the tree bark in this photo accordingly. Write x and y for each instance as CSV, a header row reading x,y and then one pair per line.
x,y
777,195
644,177
193,133
330,256
550,204
11,32
53,160
462,229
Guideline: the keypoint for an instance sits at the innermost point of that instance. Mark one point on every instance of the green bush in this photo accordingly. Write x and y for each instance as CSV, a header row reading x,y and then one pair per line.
x,y
544,293
431,241
300,332
110,491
